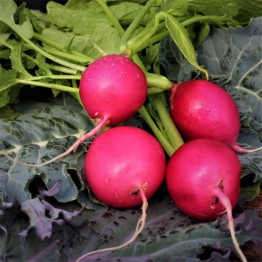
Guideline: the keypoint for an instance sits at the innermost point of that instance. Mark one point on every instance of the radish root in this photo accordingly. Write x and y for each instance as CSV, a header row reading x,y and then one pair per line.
x,y
73,147
227,204
243,150
139,228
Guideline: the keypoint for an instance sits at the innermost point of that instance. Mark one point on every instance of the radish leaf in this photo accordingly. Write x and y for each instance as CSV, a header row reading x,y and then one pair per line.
x,y
39,133
168,236
42,216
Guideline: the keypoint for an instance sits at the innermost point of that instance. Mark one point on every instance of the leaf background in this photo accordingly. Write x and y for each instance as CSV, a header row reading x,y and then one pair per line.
x,y
234,56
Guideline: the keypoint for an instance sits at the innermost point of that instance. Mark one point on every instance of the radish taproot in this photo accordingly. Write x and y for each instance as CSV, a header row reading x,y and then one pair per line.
x,y
112,89
125,166
202,109
203,180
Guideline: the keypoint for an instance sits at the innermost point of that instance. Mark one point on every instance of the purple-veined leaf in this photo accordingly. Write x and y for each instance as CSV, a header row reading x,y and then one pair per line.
x,y
169,235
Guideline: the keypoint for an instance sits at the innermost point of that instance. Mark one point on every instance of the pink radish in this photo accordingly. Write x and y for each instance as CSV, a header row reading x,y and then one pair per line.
x,y
203,179
202,109
121,162
112,89
124,167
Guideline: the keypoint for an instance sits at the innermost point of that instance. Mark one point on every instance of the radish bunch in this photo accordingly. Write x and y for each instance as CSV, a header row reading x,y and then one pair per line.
x,y
126,165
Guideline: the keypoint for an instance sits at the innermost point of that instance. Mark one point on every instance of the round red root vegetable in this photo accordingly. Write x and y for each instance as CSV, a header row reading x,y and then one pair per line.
x,y
113,87
203,179
202,109
195,169
124,167
121,162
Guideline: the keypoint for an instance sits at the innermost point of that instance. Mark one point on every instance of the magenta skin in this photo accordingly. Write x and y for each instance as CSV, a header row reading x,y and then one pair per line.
x,y
198,167
202,109
113,87
120,162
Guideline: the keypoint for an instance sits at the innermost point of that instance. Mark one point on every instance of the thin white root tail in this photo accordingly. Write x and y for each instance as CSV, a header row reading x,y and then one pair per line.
x,y
254,150
227,204
73,147
244,150
139,228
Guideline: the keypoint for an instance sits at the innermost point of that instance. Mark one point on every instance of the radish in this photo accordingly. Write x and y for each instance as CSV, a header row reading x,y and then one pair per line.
x,y
202,109
203,180
112,89
125,166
